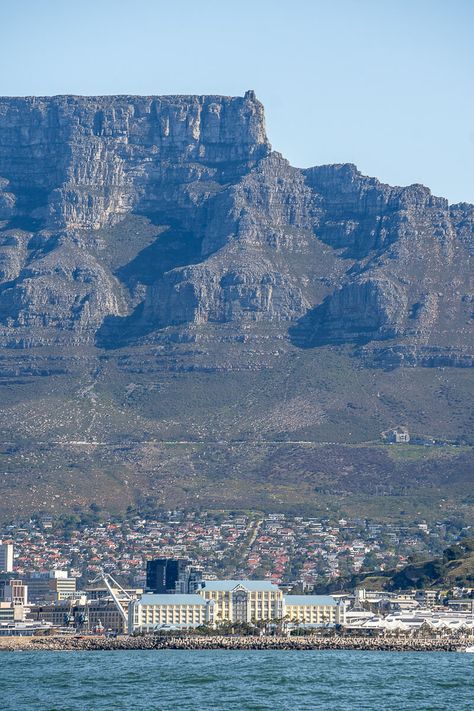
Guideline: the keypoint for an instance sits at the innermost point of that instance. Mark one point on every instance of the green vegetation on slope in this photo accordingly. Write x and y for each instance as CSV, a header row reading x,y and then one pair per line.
x,y
454,568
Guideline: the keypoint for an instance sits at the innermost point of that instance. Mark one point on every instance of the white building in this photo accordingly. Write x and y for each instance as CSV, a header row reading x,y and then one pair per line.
x,y
235,601
314,610
244,600
408,621
151,612
6,557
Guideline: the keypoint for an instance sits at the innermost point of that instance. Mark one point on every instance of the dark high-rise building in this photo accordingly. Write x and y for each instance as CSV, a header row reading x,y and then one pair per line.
x,y
162,574
172,575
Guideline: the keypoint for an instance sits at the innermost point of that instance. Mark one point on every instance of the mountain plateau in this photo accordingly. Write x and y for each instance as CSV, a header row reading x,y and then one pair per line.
x,y
186,319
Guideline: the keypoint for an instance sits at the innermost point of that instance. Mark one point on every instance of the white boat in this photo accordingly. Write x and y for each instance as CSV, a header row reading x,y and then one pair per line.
x,y
470,649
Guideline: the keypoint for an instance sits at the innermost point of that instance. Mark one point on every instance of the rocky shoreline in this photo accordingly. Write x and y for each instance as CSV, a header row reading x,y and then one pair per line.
x,y
386,644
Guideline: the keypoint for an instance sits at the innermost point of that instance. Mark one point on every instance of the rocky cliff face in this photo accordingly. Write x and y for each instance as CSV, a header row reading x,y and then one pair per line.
x,y
234,234
70,166
412,272
179,306
334,255
82,162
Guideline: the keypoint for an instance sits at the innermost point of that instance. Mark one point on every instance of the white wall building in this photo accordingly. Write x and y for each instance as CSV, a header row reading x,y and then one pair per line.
x,y
6,557
314,610
244,600
237,601
150,612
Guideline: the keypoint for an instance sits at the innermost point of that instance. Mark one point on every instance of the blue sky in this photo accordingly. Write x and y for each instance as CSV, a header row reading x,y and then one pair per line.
x,y
387,85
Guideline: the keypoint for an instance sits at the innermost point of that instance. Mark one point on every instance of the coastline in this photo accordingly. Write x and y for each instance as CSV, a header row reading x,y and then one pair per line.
x,y
379,644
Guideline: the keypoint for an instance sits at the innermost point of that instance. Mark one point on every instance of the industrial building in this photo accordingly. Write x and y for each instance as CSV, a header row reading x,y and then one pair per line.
x,y
50,586
82,614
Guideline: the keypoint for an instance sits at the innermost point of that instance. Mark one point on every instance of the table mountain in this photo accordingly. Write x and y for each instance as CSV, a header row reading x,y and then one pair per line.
x,y
155,249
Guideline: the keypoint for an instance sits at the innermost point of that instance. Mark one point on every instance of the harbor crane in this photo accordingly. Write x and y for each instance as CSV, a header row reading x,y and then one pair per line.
x,y
107,579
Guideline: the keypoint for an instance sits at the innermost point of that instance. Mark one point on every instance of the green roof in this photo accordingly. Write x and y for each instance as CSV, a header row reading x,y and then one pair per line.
x,y
310,600
171,599
251,585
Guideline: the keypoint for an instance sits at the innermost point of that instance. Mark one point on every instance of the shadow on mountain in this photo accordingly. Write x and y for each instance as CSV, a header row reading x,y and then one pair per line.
x,y
25,223
29,200
117,331
316,329
173,248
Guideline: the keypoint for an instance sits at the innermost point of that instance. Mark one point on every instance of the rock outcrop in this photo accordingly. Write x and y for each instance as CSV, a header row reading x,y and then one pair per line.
x,y
70,166
334,255
187,318
240,238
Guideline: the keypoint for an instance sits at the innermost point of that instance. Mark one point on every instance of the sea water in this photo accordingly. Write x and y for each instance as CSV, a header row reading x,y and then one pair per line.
x,y
173,679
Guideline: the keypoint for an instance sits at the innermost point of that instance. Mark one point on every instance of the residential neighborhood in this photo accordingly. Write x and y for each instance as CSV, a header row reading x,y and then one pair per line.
x,y
292,551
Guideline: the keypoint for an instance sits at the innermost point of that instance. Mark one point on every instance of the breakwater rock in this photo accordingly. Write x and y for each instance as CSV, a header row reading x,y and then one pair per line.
x,y
386,644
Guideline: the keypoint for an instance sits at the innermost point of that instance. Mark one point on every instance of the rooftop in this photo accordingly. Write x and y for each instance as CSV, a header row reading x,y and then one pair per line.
x,y
229,585
310,600
171,599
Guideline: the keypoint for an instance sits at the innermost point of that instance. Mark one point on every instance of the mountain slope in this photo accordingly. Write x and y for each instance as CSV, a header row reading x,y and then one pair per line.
x,y
454,568
166,277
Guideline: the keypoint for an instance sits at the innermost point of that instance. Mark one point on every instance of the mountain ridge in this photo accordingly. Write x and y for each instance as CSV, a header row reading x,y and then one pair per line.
x,y
152,249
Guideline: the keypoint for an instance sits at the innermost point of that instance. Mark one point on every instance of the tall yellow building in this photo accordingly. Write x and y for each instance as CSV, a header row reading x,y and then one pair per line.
x,y
244,600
